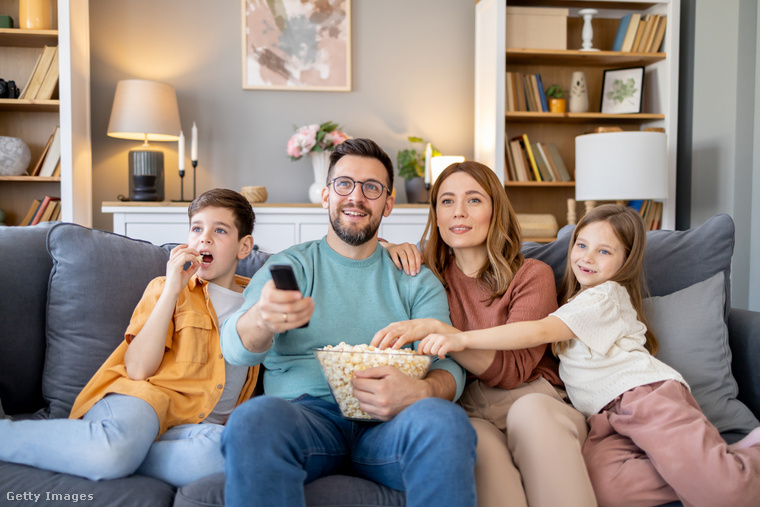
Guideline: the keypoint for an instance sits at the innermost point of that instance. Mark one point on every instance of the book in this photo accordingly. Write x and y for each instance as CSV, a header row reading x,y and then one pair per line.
x,y
553,152
509,164
22,95
646,38
57,215
635,204
53,155
617,45
543,166
41,210
30,214
520,160
630,33
529,102
50,81
40,71
549,162
535,88
659,36
510,93
36,170
49,210
531,158
542,94
520,92
639,34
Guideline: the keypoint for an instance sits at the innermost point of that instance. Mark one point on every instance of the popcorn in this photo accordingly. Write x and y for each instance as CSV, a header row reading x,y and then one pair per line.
x,y
339,363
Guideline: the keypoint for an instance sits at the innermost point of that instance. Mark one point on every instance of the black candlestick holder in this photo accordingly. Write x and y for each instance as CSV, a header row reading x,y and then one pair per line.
x,y
182,183
195,171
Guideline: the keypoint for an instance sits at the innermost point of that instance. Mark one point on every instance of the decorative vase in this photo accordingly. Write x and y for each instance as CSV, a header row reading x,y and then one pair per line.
x,y
14,156
416,193
35,14
578,93
557,105
587,32
320,162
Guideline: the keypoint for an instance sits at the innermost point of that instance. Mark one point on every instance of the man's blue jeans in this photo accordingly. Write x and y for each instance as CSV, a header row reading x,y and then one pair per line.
x,y
272,447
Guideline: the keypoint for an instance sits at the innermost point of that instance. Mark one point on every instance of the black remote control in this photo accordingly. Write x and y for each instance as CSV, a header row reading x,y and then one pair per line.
x,y
284,279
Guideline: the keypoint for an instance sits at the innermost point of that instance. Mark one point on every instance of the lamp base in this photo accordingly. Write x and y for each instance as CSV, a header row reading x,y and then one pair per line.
x,y
146,174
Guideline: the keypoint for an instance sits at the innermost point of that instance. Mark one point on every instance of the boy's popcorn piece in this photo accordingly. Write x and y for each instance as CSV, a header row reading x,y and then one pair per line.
x,y
199,258
339,363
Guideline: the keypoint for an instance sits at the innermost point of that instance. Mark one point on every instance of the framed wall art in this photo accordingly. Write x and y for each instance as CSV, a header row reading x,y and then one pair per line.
x,y
297,45
622,90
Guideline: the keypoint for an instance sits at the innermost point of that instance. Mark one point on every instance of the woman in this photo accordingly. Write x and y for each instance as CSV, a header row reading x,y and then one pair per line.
x,y
529,437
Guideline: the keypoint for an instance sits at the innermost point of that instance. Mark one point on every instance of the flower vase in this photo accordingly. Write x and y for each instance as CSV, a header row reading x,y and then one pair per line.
x,y
320,162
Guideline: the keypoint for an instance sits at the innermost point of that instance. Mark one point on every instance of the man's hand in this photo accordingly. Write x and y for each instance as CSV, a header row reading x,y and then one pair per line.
x,y
384,391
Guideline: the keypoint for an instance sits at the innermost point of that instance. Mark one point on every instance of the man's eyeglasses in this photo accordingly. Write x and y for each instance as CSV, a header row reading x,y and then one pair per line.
x,y
371,189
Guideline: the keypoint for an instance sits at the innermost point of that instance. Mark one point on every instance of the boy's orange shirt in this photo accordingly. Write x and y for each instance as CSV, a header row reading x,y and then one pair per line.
x,y
190,379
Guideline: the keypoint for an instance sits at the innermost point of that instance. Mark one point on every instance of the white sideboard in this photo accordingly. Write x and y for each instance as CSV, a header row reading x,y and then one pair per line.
x,y
278,226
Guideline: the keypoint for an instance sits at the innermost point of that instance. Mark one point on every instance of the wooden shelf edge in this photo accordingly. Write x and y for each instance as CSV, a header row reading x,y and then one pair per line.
x,y
531,116
30,105
32,179
593,58
17,37
541,184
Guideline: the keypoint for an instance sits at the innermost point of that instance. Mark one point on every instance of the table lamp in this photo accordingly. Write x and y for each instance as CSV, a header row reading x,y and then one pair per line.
x,y
620,166
441,162
145,111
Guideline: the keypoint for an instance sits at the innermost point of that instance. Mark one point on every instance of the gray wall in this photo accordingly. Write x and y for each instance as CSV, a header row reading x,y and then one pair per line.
x,y
724,168
412,75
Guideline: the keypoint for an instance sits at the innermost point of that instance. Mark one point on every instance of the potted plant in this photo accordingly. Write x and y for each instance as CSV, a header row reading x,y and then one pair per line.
x,y
411,167
556,97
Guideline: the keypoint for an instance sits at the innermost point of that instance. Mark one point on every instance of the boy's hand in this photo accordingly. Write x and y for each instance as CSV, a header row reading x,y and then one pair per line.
x,y
281,310
176,276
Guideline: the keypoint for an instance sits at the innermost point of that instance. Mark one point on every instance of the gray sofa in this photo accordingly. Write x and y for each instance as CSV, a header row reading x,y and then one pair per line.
x,y
69,292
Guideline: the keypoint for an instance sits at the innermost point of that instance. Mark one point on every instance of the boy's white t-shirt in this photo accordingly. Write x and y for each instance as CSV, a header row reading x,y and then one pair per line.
x,y
226,302
608,357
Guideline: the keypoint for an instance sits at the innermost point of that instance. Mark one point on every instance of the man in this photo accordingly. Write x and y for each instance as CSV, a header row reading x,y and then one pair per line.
x,y
276,443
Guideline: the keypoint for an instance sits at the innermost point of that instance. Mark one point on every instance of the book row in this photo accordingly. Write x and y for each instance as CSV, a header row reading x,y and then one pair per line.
x,y
534,161
49,163
46,210
639,33
525,92
650,211
43,80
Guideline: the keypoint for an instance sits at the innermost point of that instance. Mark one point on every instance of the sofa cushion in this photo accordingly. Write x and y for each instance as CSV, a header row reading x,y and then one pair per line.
x,y
330,491
97,280
24,279
64,489
694,340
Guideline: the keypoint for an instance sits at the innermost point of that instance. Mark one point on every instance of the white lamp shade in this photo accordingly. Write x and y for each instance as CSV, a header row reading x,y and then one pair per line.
x,y
441,162
144,108
621,166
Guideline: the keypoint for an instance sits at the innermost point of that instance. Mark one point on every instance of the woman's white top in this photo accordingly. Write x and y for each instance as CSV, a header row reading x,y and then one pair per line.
x,y
608,357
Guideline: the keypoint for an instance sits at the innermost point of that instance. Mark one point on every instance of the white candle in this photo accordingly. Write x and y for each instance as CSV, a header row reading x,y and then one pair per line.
x,y
194,144
428,157
181,151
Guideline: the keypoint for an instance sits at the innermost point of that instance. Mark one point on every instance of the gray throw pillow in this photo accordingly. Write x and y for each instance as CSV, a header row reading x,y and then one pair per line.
x,y
693,339
96,281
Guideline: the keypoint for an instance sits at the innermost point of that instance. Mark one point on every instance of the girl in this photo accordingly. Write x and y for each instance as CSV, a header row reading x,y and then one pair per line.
x,y
649,442
529,437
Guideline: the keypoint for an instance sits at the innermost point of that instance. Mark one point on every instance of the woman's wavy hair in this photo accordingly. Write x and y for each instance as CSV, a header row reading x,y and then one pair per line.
x,y
503,241
629,229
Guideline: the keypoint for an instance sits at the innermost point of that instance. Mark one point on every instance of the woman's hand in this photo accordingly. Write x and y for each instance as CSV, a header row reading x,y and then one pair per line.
x,y
405,256
400,333
442,344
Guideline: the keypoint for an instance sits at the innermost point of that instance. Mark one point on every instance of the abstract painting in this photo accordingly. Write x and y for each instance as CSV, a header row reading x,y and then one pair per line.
x,y
297,45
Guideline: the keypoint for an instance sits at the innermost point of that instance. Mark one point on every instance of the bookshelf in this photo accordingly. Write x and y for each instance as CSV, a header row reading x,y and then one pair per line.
x,y
493,121
35,120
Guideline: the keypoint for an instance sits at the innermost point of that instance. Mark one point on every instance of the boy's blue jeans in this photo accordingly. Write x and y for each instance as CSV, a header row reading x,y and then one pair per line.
x,y
116,438
272,447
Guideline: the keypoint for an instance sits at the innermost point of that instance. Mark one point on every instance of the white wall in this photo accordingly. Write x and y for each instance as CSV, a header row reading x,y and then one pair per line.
x,y
723,134
412,75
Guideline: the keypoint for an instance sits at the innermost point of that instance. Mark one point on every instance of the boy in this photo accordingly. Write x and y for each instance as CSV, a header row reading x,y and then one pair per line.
x,y
167,376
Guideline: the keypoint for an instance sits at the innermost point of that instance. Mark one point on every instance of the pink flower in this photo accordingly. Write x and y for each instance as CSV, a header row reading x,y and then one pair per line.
x,y
312,137
334,138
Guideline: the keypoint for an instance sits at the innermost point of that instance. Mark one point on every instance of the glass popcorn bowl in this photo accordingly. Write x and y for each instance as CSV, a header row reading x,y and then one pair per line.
x,y
340,362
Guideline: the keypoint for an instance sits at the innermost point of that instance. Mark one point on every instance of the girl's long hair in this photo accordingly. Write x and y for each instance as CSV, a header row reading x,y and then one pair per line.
x,y
503,241
629,229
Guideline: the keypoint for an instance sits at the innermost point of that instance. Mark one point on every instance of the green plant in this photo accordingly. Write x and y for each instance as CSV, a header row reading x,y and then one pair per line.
x,y
411,161
555,92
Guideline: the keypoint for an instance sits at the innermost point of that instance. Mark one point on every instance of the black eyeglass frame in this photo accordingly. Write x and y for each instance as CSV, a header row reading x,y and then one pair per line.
x,y
332,182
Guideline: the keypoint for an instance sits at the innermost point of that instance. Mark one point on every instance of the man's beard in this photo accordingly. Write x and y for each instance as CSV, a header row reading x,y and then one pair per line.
x,y
354,236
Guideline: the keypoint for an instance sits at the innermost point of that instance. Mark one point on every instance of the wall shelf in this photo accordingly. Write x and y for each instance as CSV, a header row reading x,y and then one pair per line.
x,y
16,37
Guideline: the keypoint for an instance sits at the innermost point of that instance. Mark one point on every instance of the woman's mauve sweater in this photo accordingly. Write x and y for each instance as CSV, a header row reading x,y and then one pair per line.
x,y
532,295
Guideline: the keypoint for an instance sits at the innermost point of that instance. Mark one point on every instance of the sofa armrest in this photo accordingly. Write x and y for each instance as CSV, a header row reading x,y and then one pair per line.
x,y
744,340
